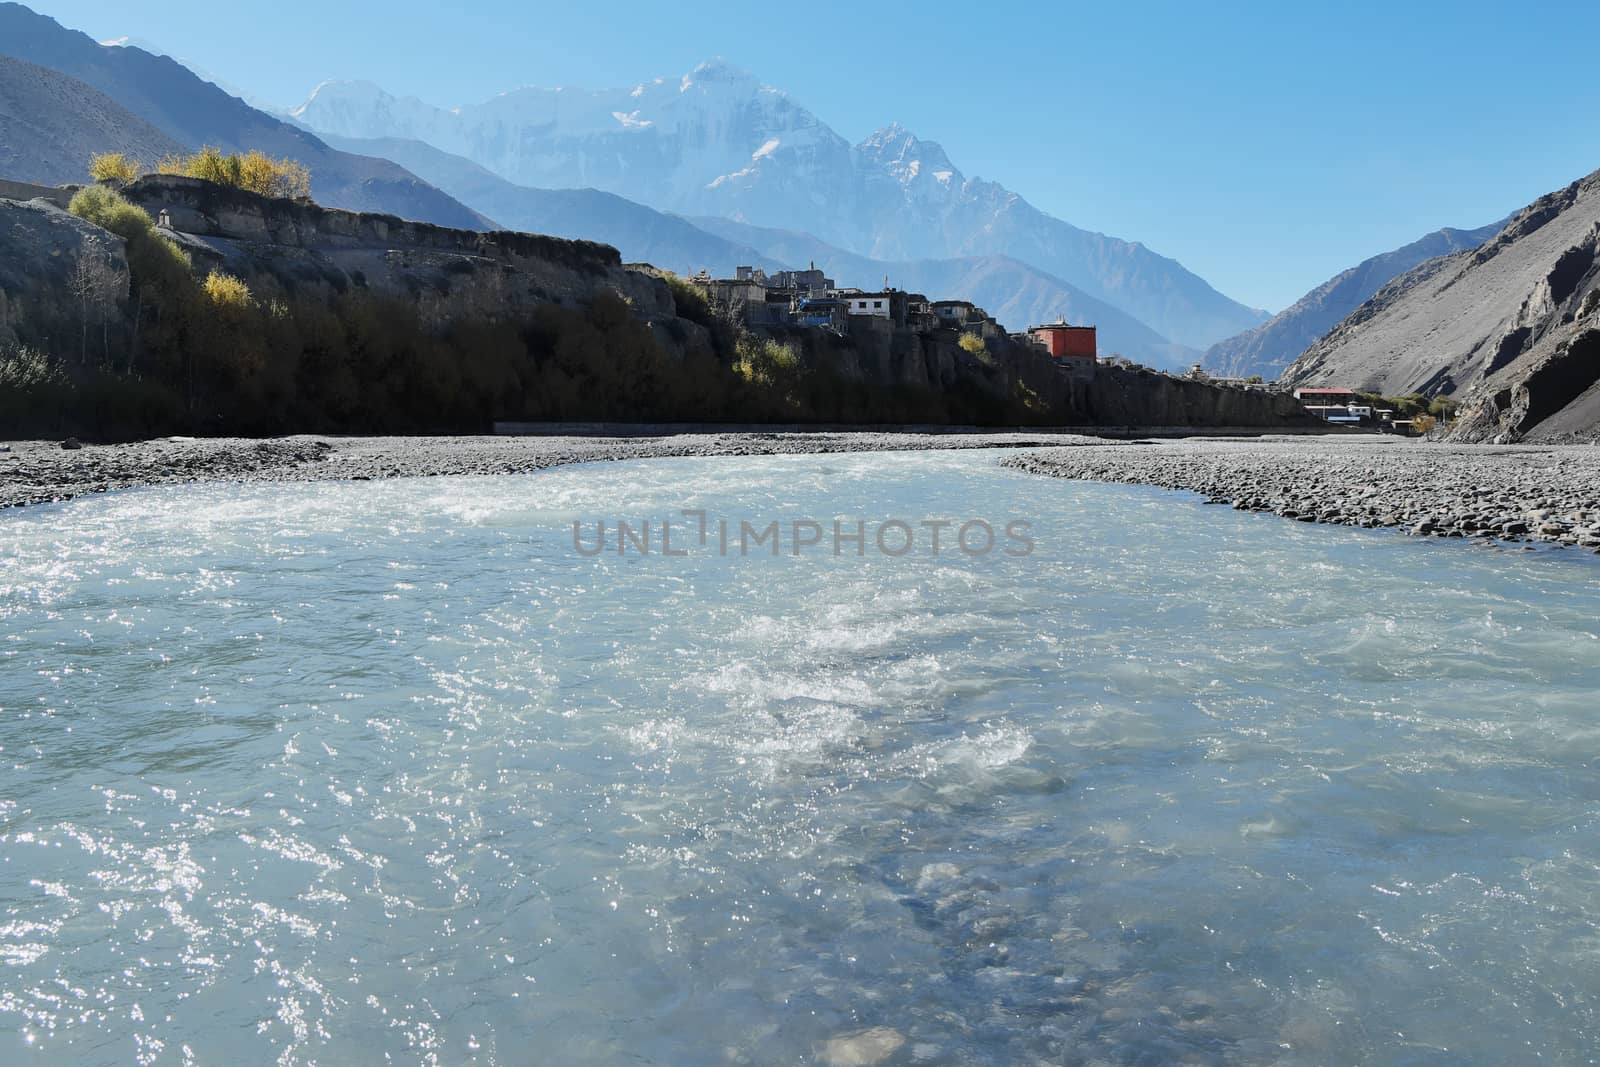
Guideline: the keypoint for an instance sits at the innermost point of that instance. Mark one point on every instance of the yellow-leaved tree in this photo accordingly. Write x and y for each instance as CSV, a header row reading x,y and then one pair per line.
x,y
227,294
253,171
975,346
113,167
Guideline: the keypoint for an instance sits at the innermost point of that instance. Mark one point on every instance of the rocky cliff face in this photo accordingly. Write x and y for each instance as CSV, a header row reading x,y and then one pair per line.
x,y
1270,348
454,271
1120,396
41,249
1113,396
300,247
1508,328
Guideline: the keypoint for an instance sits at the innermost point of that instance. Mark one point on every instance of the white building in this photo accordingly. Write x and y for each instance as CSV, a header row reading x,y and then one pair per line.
x,y
878,304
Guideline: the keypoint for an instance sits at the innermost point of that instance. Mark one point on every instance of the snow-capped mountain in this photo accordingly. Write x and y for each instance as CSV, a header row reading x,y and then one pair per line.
x,y
700,143
717,142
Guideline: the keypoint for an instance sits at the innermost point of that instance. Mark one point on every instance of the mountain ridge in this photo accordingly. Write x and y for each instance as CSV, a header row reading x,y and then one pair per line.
x,y
51,125
1512,328
1270,348
192,112
640,233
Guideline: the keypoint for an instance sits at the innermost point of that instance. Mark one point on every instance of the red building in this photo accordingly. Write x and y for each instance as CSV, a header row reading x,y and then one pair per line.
x,y
1068,342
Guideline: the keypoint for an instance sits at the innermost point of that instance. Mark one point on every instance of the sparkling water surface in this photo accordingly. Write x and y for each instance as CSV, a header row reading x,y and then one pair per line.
x,y
387,772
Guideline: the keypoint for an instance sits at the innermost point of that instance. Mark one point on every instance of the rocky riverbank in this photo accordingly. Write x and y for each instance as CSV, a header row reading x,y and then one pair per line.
x,y
1504,492
1511,492
38,472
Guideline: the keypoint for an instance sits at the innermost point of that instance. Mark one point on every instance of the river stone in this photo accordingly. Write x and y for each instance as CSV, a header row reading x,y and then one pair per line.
x,y
863,1048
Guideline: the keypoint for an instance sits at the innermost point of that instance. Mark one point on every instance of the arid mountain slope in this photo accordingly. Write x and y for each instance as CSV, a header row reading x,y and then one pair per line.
x,y
195,112
1513,328
641,234
1269,348
51,125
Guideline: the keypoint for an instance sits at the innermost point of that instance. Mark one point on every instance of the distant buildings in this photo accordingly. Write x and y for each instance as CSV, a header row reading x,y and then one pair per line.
x,y
809,299
1333,405
1346,407
1326,397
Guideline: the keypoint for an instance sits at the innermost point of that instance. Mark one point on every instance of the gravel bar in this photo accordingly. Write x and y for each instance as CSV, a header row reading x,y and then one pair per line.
x,y
1546,493
40,472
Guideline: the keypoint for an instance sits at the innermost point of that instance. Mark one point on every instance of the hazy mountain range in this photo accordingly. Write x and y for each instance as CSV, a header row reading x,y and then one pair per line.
x,y
1016,293
191,112
717,143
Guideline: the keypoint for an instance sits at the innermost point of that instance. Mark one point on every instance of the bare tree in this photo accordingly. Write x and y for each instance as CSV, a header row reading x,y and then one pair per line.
x,y
94,284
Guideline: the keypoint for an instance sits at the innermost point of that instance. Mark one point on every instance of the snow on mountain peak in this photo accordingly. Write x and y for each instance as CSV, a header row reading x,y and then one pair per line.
x,y
898,152
719,69
718,72
348,93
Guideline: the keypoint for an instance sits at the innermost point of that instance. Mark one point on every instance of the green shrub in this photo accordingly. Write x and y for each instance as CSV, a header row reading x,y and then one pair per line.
x,y
691,300
110,210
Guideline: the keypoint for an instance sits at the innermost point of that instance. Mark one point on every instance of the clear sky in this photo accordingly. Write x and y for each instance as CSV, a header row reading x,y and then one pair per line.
x,y
1266,146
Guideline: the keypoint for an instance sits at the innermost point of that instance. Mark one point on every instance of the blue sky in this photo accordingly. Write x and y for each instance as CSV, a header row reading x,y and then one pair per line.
x,y
1265,146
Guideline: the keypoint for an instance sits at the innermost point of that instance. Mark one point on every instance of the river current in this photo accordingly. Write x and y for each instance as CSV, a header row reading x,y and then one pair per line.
x,y
397,772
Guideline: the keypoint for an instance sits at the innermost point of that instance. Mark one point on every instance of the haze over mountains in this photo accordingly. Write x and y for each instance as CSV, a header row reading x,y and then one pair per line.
x,y
718,143
1013,291
192,112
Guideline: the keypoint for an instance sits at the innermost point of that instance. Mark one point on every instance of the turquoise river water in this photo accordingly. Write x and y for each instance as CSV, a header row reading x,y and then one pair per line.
x,y
392,773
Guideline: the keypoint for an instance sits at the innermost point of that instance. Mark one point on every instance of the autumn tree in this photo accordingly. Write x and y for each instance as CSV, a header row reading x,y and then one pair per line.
x,y
113,167
252,171
975,346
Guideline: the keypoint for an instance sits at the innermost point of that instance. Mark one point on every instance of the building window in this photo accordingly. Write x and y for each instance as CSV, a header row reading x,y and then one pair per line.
x,y
877,304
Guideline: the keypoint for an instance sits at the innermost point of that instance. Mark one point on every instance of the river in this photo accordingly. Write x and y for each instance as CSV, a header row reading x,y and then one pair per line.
x,y
329,773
